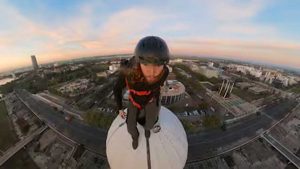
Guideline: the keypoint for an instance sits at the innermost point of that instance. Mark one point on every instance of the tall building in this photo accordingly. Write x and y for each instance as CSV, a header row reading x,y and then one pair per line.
x,y
34,62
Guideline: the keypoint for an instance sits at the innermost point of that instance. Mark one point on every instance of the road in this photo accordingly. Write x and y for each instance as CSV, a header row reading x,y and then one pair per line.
x,y
208,144
282,149
92,138
61,106
13,150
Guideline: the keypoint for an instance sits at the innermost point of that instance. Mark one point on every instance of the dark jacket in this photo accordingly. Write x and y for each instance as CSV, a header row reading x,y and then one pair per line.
x,y
120,84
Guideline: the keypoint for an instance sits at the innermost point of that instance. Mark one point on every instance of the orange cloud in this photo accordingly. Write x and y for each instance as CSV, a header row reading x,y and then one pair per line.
x,y
283,53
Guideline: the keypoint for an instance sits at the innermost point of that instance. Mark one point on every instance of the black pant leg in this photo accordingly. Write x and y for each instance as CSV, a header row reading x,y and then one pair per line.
x,y
152,111
131,120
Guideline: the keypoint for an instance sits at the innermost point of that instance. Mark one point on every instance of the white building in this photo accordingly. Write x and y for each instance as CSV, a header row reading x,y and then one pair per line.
x,y
112,68
194,67
244,85
172,92
76,87
210,64
247,69
101,74
170,69
255,72
286,80
257,90
209,72
176,61
75,67
292,80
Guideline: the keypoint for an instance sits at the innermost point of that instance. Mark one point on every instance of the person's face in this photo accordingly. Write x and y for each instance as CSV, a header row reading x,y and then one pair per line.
x,y
151,72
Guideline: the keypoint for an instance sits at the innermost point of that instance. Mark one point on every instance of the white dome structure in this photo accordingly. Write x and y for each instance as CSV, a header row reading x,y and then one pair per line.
x,y
168,147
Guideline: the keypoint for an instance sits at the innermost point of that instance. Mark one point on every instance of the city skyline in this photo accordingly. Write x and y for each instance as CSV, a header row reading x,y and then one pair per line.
x,y
261,31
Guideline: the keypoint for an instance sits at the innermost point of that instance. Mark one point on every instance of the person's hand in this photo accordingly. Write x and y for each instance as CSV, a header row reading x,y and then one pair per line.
x,y
122,114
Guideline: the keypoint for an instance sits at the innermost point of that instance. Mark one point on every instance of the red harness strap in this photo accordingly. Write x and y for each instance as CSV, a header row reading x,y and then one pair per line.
x,y
139,93
134,103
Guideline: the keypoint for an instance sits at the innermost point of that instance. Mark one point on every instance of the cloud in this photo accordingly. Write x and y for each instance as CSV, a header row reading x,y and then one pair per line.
x,y
232,11
176,27
275,52
248,29
118,34
128,25
122,30
235,18
237,43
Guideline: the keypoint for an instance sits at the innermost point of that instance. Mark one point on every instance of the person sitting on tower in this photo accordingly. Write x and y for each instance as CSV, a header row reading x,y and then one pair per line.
x,y
144,74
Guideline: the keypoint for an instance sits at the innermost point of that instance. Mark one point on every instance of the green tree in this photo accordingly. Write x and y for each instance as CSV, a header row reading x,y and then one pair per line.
x,y
188,126
211,121
98,119
203,105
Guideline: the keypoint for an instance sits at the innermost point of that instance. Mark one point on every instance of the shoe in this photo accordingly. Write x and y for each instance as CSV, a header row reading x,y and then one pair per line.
x,y
135,143
156,128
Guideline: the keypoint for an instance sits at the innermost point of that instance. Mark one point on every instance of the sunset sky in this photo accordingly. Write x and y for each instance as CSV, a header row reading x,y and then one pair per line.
x,y
255,30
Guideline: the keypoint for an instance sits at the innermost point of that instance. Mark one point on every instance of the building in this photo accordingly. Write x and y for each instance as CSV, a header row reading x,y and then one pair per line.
x,y
277,83
173,61
257,90
286,80
113,68
226,88
209,72
244,85
34,62
170,69
101,74
75,88
75,67
292,80
246,70
13,75
210,64
173,91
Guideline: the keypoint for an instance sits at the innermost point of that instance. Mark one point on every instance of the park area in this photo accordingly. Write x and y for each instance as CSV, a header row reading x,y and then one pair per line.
x,y
7,139
20,160
247,95
7,134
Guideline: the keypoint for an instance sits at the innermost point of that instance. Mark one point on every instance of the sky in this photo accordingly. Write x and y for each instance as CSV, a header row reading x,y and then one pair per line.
x,y
265,31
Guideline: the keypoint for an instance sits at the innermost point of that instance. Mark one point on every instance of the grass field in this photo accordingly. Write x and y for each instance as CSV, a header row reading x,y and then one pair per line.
x,y
247,95
296,90
20,160
7,134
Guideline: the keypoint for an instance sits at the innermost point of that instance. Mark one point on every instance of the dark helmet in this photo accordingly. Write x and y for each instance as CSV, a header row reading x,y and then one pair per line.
x,y
152,50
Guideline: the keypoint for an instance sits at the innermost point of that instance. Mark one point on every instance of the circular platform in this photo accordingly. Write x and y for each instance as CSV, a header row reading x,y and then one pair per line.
x,y
168,148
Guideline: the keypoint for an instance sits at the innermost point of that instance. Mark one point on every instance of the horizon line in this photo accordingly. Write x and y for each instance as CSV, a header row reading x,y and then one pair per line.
x,y
175,55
